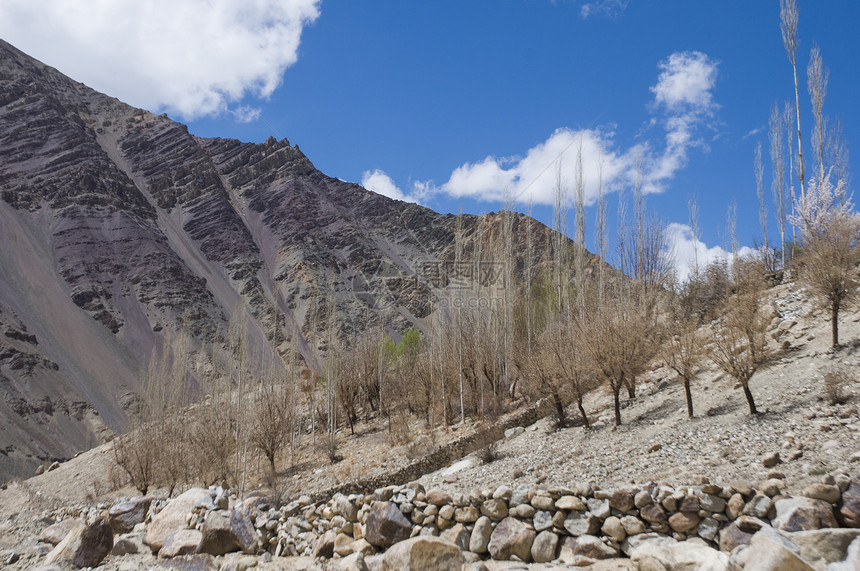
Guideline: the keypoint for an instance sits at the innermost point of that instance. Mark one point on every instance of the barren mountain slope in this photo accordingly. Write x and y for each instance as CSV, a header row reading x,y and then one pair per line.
x,y
118,226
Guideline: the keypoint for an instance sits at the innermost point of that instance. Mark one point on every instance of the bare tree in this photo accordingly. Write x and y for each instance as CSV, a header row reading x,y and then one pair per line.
x,y
788,17
816,80
271,416
777,148
684,347
739,345
830,255
759,192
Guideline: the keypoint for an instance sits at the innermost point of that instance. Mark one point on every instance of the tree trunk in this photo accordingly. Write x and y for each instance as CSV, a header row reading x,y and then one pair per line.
x,y
616,394
689,396
749,397
582,411
559,410
834,322
631,388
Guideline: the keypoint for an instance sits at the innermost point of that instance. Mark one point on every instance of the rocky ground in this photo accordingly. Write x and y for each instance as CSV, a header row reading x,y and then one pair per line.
x,y
814,440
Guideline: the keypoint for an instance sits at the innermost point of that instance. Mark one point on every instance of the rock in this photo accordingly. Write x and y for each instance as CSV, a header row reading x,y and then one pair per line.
x,y
324,546
600,508
511,537
55,533
758,506
128,543
612,528
217,538
514,432
569,503
742,487
690,504
385,525
666,554
585,546
849,513
621,500
481,533
825,547
181,542
354,562
438,497
243,532
345,508
683,522
708,528
40,469
771,551
446,512
771,459
524,511
343,544
468,514
83,546
519,496
542,520
713,503
803,514
458,535
423,553
632,525
125,515
581,523
173,517
542,503
642,499
544,547
653,512
735,506
232,562
494,508
827,492
732,536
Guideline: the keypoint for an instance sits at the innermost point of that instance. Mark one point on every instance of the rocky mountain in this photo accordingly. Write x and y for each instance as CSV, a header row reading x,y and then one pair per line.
x,y
118,226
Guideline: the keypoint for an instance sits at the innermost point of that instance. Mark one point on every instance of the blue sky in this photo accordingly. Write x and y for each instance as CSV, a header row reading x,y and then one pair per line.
x,y
452,102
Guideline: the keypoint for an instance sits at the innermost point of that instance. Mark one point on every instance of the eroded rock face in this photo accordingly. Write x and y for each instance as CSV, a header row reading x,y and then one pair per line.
x,y
151,226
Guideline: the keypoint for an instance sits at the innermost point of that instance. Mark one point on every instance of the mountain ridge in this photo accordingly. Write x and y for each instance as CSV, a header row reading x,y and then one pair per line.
x,y
138,228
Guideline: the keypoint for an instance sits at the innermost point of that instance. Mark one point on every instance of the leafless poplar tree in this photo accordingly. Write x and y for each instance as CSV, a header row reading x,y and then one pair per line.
x,y
816,80
788,17
777,148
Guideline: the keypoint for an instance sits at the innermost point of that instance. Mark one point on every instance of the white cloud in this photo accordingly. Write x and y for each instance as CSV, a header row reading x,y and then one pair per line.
x,y
535,174
687,251
683,99
685,83
189,57
380,183
611,8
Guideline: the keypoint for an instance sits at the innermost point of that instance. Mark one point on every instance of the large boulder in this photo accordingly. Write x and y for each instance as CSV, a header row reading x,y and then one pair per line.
x,y
217,538
123,516
173,517
803,514
242,528
423,553
573,549
386,525
769,550
849,513
581,523
481,533
666,554
511,537
83,546
182,542
55,533
544,547
458,535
